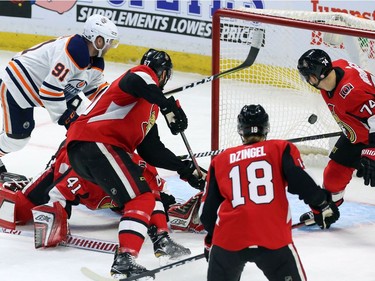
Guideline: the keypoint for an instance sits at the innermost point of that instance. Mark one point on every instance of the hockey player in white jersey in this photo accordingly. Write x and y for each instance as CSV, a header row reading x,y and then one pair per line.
x,y
50,75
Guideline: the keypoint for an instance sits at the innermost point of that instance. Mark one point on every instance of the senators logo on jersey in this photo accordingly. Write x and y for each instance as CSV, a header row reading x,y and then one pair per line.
x,y
151,121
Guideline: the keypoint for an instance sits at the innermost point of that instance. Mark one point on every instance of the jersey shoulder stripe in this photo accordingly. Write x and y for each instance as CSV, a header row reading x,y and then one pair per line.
x,y
54,99
52,87
26,73
78,52
145,73
21,90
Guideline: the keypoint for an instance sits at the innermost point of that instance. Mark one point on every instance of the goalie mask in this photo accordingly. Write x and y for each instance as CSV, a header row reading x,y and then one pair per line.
x,y
97,25
314,62
159,62
253,121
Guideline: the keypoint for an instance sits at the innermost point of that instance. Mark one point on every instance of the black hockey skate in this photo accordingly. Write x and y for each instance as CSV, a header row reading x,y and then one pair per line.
x,y
165,247
124,266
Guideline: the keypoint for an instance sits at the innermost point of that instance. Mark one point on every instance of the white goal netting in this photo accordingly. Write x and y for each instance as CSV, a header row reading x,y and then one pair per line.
x,y
273,81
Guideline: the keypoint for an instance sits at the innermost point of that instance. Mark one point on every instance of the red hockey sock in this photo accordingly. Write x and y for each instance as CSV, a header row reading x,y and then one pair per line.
x,y
134,223
336,176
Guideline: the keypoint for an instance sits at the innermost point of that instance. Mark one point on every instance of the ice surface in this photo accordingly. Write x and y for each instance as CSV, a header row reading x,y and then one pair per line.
x,y
346,252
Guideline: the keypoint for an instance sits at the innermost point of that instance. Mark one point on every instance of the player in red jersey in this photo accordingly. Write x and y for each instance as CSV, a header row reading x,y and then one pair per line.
x,y
53,193
245,208
349,93
118,122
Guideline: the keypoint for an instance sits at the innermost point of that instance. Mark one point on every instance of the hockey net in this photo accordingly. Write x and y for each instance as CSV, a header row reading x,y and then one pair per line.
x,y
273,80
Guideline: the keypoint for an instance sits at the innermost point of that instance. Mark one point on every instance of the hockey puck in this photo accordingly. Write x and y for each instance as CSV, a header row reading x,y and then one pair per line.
x,y
312,119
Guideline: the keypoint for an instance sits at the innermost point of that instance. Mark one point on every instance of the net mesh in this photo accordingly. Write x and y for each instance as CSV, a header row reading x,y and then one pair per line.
x,y
274,82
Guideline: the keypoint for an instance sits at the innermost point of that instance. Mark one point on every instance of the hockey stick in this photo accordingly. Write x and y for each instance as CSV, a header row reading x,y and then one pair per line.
x,y
97,277
301,139
256,43
165,267
308,222
191,154
316,137
73,241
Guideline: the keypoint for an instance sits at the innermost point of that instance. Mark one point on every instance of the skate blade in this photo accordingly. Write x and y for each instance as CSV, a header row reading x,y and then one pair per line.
x,y
124,276
166,259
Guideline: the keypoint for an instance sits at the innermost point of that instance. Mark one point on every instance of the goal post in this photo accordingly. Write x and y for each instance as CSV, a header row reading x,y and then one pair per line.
x,y
273,80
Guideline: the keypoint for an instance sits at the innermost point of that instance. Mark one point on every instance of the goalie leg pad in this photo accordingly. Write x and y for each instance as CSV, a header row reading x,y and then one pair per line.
x,y
15,208
50,225
23,209
185,217
7,208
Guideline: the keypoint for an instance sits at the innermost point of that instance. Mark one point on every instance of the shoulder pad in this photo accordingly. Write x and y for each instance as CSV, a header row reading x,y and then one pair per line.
x,y
97,63
78,51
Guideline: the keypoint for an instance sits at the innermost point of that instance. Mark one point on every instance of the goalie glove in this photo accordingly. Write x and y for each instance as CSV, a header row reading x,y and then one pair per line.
x,y
326,213
190,174
174,116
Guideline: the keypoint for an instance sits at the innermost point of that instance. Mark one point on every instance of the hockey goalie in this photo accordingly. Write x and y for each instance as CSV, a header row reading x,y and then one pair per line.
x,y
48,201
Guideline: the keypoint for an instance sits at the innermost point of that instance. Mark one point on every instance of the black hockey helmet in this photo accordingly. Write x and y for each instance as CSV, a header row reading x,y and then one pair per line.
x,y
158,61
253,120
314,62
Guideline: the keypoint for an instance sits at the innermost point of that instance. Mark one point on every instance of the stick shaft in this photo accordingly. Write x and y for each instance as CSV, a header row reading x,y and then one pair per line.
x,y
301,139
191,154
303,223
258,35
165,267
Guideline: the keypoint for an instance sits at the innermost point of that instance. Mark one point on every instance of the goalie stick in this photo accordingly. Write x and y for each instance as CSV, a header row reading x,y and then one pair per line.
x,y
256,43
96,277
73,241
301,139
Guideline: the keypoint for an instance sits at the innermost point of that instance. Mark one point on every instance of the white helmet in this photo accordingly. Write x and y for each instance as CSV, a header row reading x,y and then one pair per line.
x,y
98,25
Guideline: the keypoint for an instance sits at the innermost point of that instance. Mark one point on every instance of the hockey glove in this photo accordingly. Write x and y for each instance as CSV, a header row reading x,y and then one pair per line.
x,y
368,165
175,116
74,103
207,246
67,118
168,200
326,213
190,174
